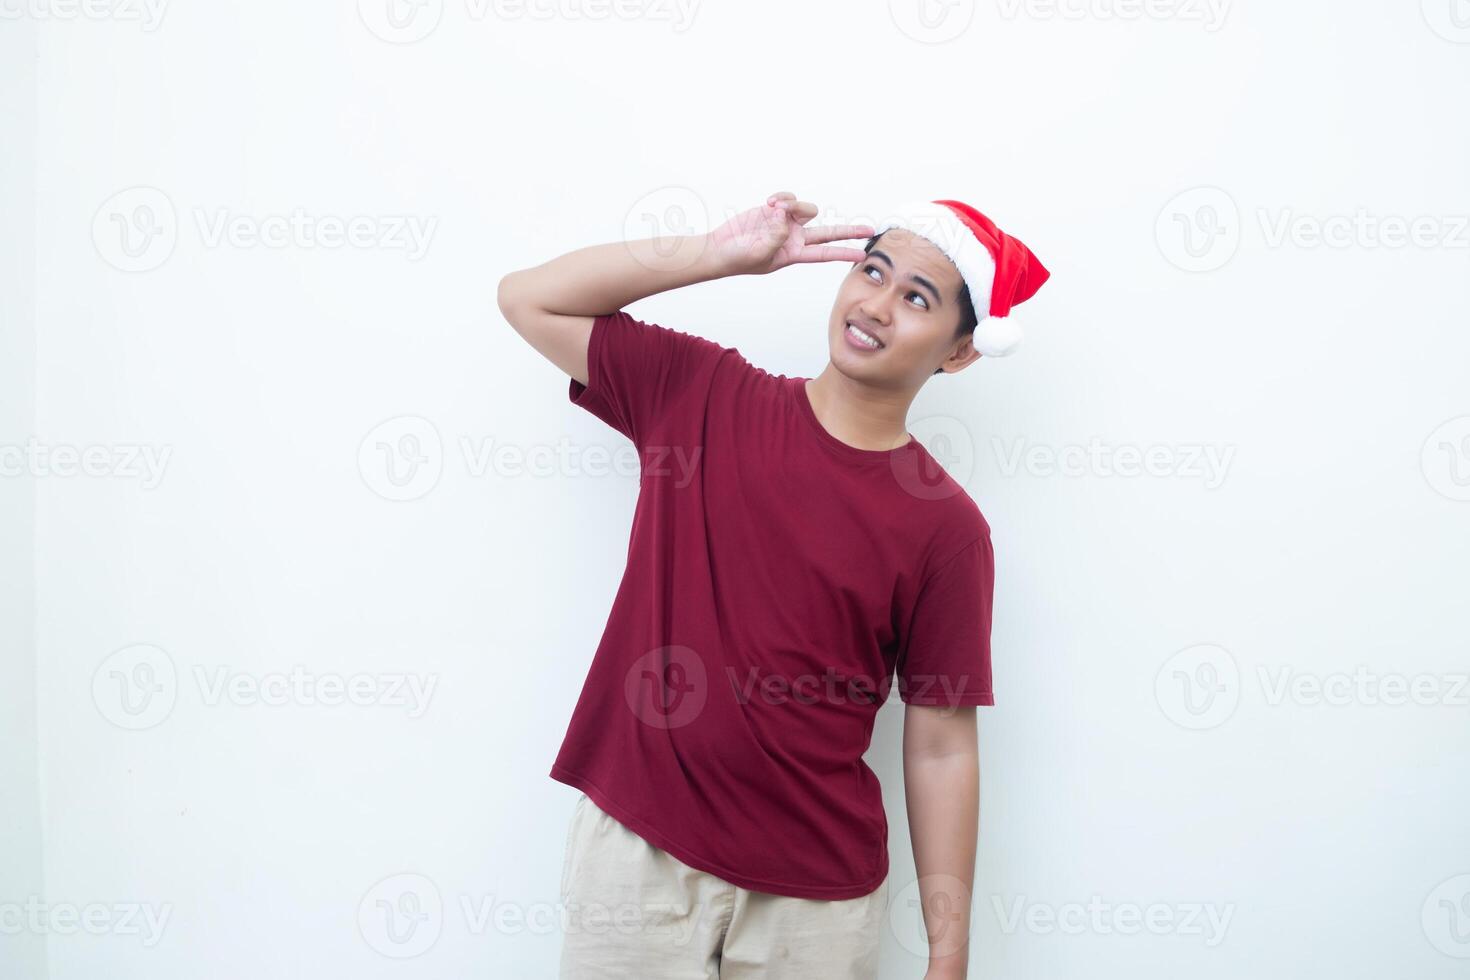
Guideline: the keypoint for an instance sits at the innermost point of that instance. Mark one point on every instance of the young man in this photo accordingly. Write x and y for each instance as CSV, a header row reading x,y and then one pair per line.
x,y
793,548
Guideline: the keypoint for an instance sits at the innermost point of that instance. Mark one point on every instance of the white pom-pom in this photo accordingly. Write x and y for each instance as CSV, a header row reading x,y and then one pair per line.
x,y
997,336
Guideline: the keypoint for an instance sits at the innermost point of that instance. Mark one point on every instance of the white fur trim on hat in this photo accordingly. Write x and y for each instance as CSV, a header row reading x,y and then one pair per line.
x,y
994,336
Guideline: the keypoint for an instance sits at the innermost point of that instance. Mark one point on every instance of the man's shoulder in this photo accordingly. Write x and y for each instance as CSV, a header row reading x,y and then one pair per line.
x,y
952,507
964,524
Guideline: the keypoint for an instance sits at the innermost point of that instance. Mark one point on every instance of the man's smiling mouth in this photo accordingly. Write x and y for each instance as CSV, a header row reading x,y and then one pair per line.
x,y
862,336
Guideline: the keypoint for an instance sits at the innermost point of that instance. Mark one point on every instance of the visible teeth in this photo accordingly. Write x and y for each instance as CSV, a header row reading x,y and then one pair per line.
x,y
866,338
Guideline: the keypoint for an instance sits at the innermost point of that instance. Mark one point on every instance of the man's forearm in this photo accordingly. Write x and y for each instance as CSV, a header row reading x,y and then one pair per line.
x,y
943,801
604,278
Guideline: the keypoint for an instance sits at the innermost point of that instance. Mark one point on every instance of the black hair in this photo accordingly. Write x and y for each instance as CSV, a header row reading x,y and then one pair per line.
x,y
968,320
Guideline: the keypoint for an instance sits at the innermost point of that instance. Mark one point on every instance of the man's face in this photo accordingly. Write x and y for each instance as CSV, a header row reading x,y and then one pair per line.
x,y
905,293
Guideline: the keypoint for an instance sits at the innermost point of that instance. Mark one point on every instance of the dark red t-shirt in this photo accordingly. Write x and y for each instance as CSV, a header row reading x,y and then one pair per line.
x,y
778,579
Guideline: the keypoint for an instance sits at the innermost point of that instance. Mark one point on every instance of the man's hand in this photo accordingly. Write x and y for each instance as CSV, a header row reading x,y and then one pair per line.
x,y
553,305
774,235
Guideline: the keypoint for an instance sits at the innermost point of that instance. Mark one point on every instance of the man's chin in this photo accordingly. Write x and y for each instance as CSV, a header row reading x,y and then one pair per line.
x,y
856,365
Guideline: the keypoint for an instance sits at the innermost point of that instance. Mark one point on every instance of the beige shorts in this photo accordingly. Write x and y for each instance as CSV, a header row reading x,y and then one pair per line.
x,y
634,911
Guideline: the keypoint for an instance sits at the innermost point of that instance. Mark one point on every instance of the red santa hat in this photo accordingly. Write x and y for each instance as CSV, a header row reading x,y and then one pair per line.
x,y
999,270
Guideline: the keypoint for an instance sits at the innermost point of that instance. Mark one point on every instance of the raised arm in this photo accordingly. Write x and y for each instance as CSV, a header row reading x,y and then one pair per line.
x,y
552,305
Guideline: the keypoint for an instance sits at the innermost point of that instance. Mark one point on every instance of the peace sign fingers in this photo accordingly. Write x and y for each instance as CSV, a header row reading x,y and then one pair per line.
x,y
830,253
837,233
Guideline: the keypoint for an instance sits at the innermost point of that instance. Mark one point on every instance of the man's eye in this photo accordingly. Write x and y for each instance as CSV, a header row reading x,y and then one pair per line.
x,y
874,268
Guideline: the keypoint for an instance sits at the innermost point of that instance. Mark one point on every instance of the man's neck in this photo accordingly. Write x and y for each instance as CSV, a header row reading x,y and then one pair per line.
x,y
860,415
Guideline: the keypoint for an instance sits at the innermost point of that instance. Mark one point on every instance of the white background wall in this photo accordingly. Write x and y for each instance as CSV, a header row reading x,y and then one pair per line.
x,y
22,951
239,524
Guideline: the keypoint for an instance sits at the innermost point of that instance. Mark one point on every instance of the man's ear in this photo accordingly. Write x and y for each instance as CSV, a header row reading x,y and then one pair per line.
x,y
962,356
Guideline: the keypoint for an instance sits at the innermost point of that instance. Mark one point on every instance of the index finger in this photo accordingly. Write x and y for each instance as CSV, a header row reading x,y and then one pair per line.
x,y
830,253
837,233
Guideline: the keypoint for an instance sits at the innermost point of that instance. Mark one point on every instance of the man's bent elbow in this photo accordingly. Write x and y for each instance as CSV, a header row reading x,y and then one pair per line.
x,y
507,299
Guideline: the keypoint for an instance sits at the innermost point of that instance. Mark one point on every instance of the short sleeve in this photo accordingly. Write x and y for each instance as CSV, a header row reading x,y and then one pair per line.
x,y
636,371
946,658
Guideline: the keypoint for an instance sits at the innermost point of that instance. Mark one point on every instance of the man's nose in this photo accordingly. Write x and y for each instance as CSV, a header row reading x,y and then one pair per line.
x,y
877,307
